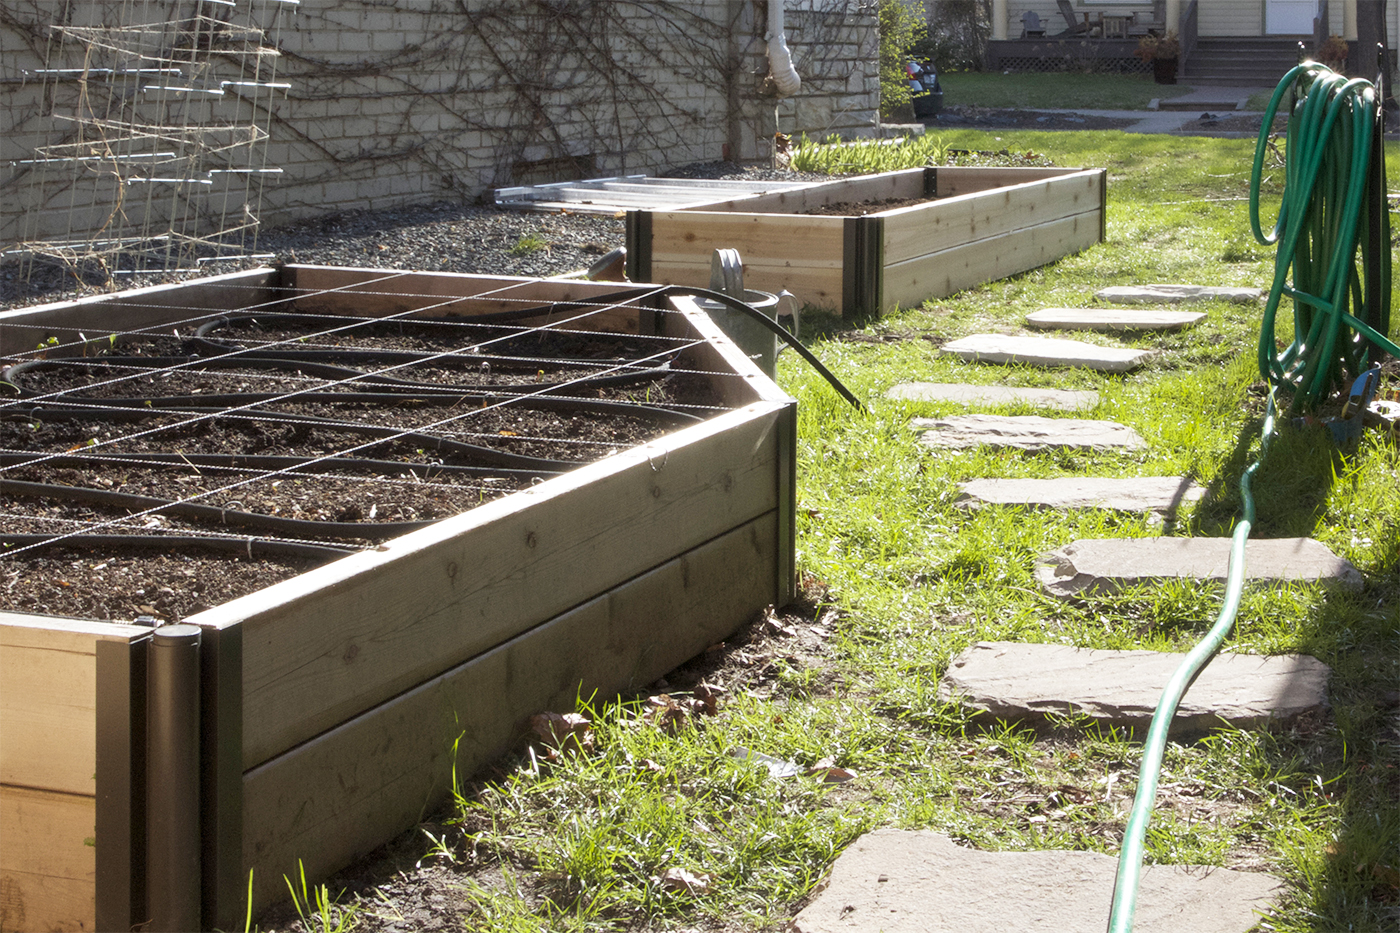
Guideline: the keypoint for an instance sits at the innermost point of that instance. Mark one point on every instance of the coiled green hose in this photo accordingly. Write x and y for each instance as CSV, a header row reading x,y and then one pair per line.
x,y
1334,207
1332,231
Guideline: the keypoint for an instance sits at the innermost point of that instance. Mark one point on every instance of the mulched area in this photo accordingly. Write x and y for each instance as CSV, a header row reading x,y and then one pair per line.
x,y
968,116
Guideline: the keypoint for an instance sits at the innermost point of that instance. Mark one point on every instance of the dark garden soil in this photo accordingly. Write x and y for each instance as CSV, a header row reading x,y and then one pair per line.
x,y
176,481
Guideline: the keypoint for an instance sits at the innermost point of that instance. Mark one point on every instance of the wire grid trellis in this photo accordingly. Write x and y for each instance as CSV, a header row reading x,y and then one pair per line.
x,y
248,431
156,157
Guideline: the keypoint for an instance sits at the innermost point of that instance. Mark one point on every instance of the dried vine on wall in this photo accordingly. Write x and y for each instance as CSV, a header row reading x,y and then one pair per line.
x,y
483,91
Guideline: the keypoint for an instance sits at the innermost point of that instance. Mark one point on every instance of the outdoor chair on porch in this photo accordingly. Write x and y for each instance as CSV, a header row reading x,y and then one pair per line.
x,y
1076,27
1031,27
1154,23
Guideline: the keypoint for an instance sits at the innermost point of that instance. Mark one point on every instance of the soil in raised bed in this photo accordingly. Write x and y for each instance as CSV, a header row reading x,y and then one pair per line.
x,y
263,467
861,208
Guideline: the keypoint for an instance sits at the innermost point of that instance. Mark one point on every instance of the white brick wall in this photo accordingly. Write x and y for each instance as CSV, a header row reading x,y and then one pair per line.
x,y
393,104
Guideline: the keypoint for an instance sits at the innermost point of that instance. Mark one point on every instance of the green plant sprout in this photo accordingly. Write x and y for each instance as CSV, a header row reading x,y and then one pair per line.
x,y
317,909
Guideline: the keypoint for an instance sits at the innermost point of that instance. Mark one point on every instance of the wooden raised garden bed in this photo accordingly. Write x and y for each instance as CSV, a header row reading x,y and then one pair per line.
x,y
335,705
981,224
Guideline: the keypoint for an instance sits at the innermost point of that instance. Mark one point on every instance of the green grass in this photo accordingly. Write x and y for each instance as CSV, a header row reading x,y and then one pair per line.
x,y
1055,91
867,156
529,243
584,843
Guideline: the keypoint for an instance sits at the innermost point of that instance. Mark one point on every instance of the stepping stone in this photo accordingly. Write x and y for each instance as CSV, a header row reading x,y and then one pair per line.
x,y
1027,683
1127,319
1105,565
1064,399
1028,432
1173,294
1045,351
1126,494
919,881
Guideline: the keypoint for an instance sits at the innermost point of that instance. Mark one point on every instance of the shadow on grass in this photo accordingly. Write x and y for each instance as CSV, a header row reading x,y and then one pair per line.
x,y
1290,488
1348,764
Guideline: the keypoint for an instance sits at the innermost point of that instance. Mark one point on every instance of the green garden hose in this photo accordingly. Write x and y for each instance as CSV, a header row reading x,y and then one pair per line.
x,y
1333,233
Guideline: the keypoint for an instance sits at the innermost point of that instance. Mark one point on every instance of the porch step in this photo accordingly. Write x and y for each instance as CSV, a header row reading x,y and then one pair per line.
x,y
1242,61
1033,684
920,881
1095,566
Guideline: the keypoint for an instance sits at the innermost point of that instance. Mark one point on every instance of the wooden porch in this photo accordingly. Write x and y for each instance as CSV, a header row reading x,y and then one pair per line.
x,y
1066,53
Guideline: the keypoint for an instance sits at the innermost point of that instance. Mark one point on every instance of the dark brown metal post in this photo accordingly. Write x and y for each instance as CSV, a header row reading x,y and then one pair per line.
x,y
172,781
121,783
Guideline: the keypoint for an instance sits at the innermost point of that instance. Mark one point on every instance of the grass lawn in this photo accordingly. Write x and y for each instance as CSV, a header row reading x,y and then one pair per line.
x,y
1055,90
905,580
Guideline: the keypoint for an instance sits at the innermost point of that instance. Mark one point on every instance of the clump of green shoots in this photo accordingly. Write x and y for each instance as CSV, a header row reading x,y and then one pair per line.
x,y
866,156
529,243
317,908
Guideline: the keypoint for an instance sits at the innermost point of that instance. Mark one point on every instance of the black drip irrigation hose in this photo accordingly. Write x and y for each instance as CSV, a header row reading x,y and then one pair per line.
x,y
296,527
228,544
781,332
329,364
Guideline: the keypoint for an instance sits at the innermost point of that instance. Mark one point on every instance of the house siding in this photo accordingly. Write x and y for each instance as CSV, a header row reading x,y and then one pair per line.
x,y
1236,18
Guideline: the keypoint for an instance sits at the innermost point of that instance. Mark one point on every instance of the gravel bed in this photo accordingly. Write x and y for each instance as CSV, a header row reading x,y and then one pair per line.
x,y
441,237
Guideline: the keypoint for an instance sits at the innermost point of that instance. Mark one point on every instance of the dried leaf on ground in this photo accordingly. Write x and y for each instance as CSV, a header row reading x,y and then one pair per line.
x,y
671,713
829,773
563,732
680,881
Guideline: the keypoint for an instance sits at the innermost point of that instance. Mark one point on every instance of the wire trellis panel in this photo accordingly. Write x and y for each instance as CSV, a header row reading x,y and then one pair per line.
x,y
156,156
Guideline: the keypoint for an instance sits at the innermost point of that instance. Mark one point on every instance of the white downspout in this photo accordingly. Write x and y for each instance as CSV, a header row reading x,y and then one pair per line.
x,y
785,77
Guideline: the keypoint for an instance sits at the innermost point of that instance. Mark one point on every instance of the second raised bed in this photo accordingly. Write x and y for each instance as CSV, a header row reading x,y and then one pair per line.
x,y
978,225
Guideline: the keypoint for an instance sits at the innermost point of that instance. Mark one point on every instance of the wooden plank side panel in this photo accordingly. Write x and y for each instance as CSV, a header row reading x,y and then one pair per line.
x,y
954,180
48,865
158,306
804,254
324,646
938,225
817,287
971,264
48,717
805,240
48,700
384,292
339,796
907,183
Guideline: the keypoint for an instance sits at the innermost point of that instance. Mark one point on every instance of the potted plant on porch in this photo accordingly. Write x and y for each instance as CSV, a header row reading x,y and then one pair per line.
x,y
1163,52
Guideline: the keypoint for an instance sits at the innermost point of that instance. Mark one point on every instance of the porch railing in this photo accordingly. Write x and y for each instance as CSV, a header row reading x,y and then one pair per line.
x,y
1187,35
1320,27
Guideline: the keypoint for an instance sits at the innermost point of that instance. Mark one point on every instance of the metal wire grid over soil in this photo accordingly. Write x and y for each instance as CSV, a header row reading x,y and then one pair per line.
x,y
241,448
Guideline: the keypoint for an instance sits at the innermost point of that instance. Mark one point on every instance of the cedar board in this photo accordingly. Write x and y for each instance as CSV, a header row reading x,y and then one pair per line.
x,y
852,262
